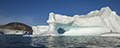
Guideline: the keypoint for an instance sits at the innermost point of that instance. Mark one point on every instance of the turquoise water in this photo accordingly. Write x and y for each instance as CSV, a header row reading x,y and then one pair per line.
x,y
18,41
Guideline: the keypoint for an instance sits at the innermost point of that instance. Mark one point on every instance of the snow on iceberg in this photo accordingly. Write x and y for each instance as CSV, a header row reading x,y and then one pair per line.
x,y
93,24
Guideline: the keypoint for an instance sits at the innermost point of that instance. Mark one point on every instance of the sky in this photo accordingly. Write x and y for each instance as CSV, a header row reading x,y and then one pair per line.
x,y
36,12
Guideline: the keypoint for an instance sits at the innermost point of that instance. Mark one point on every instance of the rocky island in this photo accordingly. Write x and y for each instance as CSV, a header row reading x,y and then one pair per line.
x,y
15,28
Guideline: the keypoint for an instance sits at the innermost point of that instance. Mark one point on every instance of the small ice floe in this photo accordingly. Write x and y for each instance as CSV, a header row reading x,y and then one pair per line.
x,y
111,34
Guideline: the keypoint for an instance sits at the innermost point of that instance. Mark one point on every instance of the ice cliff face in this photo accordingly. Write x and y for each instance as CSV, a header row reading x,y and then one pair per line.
x,y
39,29
93,24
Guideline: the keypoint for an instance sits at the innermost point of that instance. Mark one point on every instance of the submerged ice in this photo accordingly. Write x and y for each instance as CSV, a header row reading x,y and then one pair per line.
x,y
94,23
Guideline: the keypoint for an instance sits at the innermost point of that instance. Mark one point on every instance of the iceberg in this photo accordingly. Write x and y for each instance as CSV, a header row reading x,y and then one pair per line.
x,y
40,29
111,34
92,24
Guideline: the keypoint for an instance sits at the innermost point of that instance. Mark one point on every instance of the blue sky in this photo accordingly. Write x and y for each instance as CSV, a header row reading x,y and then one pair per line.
x,y
36,12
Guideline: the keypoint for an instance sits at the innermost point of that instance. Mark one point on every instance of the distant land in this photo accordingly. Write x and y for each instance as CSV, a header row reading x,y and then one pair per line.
x,y
17,26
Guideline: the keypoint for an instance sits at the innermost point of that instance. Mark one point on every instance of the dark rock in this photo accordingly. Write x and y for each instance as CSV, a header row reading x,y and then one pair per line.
x,y
1,33
118,45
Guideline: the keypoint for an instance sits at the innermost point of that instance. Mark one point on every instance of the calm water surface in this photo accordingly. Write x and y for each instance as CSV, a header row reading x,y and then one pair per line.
x,y
18,41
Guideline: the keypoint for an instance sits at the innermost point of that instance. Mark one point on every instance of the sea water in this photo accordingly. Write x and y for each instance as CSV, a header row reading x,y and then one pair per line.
x,y
18,41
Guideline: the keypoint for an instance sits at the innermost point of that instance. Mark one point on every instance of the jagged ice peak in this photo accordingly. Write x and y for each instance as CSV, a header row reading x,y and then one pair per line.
x,y
105,11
